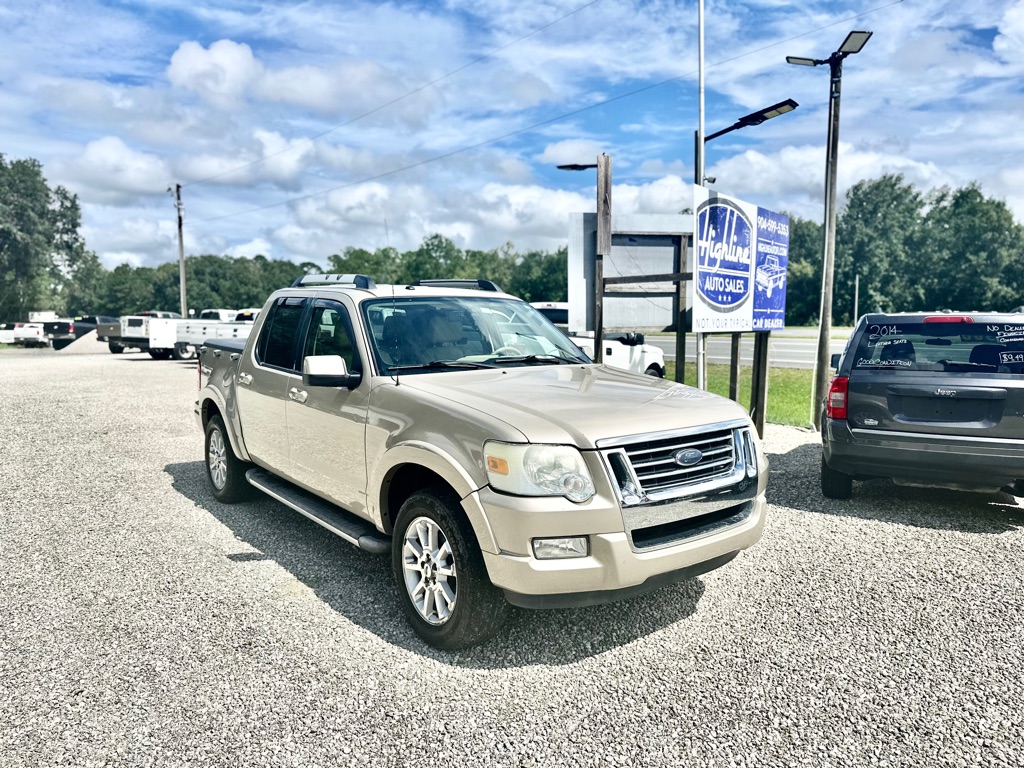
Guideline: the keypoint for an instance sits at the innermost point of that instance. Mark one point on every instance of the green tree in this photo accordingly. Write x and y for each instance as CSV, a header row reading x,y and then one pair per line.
x,y
39,243
803,279
383,265
541,276
973,251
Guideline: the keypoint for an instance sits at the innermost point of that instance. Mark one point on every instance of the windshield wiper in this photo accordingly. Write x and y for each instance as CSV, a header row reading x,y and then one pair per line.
x,y
541,359
437,364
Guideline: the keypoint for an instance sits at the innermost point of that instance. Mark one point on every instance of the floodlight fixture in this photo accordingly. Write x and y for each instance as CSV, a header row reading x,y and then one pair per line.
x,y
854,42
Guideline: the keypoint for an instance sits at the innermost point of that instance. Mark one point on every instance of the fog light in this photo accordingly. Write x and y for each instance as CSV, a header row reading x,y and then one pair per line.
x,y
558,549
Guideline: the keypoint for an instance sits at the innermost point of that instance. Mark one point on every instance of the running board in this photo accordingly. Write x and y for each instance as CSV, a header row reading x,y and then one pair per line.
x,y
344,524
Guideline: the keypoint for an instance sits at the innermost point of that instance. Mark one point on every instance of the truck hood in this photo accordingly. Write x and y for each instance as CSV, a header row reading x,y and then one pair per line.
x,y
577,404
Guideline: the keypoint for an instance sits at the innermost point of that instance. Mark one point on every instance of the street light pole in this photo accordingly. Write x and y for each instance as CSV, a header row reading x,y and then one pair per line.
x,y
853,43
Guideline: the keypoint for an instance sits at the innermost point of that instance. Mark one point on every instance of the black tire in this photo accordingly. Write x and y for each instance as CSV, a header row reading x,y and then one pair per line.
x,y
183,352
224,470
115,349
653,370
471,609
835,484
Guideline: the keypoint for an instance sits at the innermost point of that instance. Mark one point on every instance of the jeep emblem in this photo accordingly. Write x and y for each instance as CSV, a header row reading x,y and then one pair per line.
x,y
687,457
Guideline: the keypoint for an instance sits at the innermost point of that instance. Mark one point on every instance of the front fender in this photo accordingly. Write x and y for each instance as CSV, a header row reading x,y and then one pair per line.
x,y
446,466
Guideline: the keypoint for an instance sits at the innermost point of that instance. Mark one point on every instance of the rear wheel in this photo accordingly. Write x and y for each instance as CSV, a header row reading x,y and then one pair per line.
x,y
225,470
440,574
835,484
183,352
116,349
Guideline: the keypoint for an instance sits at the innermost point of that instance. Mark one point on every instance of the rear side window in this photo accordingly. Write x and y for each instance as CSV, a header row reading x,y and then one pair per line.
x,y
941,347
276,346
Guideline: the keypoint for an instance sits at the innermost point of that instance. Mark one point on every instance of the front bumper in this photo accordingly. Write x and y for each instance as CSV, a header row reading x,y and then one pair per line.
x,y
615,568
940,460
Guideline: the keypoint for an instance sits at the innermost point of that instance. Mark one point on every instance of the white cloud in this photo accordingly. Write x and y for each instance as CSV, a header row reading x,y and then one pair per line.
x,y
221,74
109,172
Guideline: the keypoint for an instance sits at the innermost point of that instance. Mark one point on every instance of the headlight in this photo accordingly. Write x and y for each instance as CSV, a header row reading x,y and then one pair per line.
x,y
538,470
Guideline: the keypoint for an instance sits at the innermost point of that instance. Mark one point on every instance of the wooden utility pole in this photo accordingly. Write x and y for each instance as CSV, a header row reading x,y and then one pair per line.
x,y
181,249
604,248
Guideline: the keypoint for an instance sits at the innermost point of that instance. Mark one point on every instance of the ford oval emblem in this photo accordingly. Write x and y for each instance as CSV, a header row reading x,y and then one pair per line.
x,y
687,457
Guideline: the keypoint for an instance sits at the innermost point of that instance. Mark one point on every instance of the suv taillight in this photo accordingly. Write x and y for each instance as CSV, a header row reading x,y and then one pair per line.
x,y
71,327
835,404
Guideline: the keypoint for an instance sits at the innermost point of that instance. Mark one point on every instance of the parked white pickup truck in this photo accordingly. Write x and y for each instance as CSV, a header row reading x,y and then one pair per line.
x,y
461,432
628,351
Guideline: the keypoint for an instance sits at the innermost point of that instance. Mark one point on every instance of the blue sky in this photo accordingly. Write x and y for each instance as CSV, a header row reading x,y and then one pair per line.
x,y
298,129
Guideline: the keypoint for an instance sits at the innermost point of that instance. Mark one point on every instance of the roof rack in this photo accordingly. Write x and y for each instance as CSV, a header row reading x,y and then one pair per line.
x,y
359,281
458,282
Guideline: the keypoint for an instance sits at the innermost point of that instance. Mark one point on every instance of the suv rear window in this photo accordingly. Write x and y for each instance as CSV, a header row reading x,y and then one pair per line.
x,y
941,346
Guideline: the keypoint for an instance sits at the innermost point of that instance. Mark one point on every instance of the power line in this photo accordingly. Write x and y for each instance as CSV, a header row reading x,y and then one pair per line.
x,y
311,139
558,118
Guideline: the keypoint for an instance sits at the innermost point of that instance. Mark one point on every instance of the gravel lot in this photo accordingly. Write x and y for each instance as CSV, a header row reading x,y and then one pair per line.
x,y
143,623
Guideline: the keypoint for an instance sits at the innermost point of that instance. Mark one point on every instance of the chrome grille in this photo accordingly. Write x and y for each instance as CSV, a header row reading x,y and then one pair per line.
x,y
656,468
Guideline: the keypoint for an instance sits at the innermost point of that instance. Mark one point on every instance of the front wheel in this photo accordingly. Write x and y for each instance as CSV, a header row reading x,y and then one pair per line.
x,y
835,484
653,370
225,471
440,574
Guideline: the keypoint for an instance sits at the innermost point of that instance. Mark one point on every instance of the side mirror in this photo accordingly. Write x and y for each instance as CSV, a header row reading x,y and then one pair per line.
x,y
328,371
835,361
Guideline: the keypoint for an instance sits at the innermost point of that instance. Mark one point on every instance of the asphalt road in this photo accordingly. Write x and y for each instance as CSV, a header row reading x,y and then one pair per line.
x,y
144,624
786,349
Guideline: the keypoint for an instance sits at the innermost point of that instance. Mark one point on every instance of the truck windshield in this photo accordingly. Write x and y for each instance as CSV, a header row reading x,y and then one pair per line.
x,y
414,335
946,347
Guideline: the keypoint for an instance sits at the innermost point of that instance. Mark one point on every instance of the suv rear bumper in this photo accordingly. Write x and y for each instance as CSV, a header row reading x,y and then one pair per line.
x,y
941,460
614,569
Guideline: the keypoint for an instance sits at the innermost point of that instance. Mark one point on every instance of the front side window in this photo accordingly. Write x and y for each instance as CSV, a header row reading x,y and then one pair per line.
x,y
276,345
941,347
330,334
426,334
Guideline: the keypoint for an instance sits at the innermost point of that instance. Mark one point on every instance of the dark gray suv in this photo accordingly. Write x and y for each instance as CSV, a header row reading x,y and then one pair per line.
x,y
927,399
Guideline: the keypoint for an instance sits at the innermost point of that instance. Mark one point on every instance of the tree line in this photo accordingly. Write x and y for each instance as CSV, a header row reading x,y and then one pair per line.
x,y
908,250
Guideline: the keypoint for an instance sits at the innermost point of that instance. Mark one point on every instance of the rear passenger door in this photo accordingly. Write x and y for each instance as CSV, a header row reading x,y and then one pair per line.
x,y
326,425
263,381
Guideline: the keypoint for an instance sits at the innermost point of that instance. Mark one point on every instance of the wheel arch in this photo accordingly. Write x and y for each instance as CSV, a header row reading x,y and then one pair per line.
x,y
211,405
410,468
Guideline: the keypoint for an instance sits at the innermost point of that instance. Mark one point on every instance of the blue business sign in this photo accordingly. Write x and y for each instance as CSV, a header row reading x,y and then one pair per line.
x,y
770,265
742,253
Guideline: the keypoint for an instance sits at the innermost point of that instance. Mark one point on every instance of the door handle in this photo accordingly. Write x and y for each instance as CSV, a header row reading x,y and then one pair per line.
x,y
298,395
244,378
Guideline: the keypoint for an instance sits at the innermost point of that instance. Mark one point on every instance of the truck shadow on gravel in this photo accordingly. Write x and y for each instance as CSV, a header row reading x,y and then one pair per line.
x,y
360,587
794,482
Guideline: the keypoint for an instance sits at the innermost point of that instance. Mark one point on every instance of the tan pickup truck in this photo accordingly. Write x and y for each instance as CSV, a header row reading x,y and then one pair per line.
x,y
458,430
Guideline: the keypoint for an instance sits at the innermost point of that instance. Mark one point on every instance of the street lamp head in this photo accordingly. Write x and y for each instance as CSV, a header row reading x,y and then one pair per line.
x,y
854,42
576,166
803,61
756,118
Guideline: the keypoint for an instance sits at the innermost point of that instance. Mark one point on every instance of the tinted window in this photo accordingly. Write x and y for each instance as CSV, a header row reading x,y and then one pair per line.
x,y
276,344
556,316
941,346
